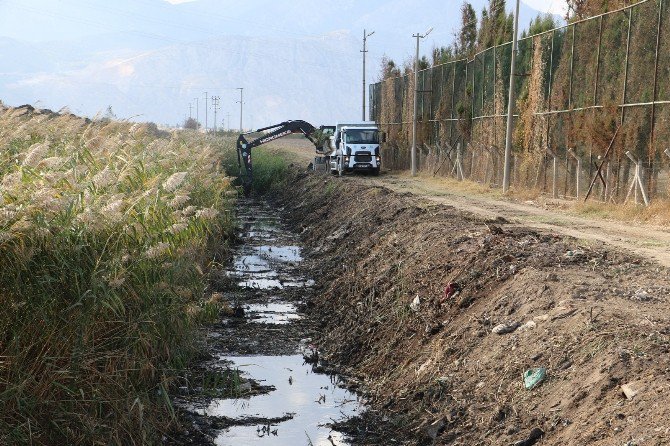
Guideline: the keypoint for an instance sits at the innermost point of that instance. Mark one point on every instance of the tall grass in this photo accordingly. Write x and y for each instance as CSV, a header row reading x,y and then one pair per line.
x,y
106,231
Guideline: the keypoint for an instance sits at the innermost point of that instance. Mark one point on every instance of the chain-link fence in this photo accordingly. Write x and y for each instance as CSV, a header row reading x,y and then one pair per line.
x,y
593,105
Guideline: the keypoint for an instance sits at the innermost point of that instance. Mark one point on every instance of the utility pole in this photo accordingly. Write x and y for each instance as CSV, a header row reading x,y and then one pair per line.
x,y
510,105
215,106
416,97
241,101
190,111
206,112
365,41
197,111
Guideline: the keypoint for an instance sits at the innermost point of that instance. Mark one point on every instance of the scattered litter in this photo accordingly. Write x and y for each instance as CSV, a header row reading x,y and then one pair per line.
x,y
414,306
533,377
533,437
628,390
502,329
574,255
451,290
424,367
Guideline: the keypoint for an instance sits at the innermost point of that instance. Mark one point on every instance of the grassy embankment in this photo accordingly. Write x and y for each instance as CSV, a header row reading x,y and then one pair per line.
x,y
106,233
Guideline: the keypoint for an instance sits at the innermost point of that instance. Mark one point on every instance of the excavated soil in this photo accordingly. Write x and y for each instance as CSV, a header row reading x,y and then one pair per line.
x,y
440,313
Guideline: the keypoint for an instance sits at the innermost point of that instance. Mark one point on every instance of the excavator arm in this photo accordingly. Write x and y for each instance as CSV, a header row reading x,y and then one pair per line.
x,y
276,131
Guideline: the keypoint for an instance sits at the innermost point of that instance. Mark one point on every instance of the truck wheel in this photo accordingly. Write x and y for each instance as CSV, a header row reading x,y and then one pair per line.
x,y
375,172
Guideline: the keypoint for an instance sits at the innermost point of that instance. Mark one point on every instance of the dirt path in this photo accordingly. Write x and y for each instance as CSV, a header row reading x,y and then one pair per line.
x,y
645,240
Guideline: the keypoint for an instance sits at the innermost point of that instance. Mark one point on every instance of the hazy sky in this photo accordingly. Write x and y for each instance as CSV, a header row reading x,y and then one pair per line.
x,y
298,58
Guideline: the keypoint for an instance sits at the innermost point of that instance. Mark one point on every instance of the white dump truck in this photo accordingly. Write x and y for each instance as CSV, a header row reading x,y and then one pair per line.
x,y
355,147
342,148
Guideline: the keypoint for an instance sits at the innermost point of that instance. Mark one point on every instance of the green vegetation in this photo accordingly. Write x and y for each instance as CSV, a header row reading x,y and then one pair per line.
x,y
269,167
106,233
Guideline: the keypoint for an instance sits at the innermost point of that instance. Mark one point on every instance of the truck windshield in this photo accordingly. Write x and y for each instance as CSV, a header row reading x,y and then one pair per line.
x,y
362,136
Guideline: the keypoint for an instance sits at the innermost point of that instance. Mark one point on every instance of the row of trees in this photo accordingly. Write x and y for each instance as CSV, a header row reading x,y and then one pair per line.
x,y
575,86
495,27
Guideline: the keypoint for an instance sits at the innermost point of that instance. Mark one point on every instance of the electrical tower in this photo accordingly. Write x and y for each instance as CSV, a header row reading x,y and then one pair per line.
x,y
215,107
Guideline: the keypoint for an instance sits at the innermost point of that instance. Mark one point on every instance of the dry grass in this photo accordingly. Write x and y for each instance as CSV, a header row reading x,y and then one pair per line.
x,y
106,230
658,213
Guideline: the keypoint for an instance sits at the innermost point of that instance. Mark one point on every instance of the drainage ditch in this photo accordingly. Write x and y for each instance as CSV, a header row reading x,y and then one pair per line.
x,y
263,382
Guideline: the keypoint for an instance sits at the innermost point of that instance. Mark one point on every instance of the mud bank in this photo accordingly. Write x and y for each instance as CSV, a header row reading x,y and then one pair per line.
x,y
440,314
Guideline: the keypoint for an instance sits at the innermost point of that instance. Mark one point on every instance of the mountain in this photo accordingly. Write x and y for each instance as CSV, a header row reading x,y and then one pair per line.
x,y
296,60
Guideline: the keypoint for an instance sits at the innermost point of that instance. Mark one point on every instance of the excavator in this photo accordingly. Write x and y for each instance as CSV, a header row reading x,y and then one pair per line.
x,y
277,131
345,147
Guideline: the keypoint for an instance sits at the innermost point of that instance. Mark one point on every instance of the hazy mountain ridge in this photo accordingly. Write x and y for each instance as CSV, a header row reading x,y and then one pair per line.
x,y
151,58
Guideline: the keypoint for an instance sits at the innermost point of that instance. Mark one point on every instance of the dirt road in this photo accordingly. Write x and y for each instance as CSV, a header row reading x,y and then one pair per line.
x,y
645,240
648,241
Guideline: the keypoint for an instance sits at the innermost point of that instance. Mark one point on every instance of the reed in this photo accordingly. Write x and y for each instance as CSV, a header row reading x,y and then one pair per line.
x,y
106,233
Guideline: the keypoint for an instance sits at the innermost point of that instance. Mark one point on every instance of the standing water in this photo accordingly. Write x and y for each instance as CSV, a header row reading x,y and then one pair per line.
x,y
296,405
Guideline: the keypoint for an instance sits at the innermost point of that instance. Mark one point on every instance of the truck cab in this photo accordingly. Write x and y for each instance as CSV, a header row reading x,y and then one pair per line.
x,y
355,147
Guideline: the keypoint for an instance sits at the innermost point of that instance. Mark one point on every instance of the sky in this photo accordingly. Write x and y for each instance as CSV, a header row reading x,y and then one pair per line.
x,y
151,59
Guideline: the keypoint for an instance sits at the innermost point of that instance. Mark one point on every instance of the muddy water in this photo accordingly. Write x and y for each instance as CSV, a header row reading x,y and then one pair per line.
x,y
266,346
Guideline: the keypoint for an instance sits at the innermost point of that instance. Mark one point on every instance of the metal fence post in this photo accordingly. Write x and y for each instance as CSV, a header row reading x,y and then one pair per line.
x,y
572,64
637,183
554,183
625,71
655,91
595,82
572,153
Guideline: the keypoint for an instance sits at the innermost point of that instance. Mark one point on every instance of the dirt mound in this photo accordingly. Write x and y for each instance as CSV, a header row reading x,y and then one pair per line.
x,y
441,313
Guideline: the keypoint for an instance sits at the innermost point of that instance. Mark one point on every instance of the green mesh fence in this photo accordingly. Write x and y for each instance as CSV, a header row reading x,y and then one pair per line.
x,y
576,87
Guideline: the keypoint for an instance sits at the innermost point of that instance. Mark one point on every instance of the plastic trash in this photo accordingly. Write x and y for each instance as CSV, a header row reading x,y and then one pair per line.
x,y
415,303
502,329
533,377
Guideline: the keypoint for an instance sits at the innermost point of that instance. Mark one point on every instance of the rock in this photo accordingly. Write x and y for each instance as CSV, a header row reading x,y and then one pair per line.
x,y
502,329
562,313
642,296
433,430
628,390
564,365
238,312
530,325
493,229
532,438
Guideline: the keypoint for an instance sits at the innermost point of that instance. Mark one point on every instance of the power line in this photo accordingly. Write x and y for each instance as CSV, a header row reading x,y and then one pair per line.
x,y
215,106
